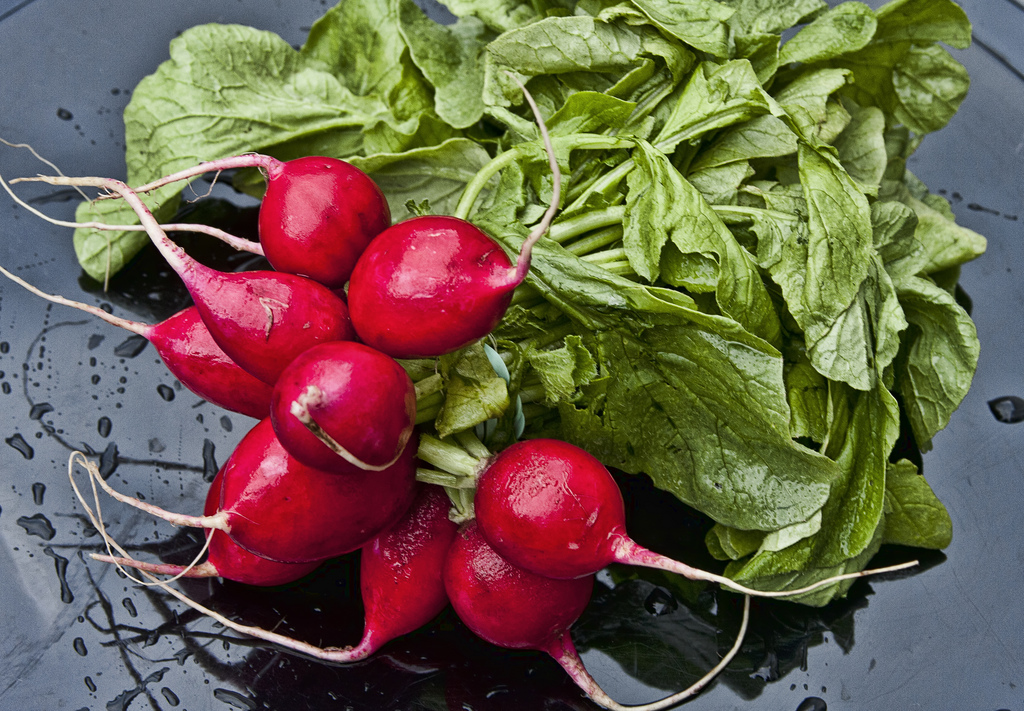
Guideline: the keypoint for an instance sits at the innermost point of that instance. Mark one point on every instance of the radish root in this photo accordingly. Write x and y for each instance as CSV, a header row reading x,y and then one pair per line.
x,y
96,518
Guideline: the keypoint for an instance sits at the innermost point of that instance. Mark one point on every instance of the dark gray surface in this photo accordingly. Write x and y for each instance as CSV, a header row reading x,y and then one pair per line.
x,y
949,637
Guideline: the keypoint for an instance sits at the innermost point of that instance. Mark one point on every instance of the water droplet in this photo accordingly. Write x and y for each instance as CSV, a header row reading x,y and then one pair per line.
x,y
6,387
61,564
165,391
79,645
130,347
233,698
19,443
38,525
95,380
90,684
64,115
129,605
209,461
660,602
108,461
156,446
94,341
5,347
103,426
1009,409
38,410
812,703
170,697
225,423
38,492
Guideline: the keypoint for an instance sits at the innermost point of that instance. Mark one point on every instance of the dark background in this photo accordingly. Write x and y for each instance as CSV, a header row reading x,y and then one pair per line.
x,y
74,635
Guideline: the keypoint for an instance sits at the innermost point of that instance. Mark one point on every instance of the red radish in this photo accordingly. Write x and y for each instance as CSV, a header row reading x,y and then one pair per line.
x,y
261,319
400,573
554,509
514,608
433,284
190,353
401,580
225,559
278,508
351,396
317,216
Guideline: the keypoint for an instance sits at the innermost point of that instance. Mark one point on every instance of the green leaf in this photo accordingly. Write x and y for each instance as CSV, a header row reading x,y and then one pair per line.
x,y
698,23
706,419
564,370
452,60
662,206
716,96
762,137
861,147
845,28
929,86
499,15
771,16
938,359
437,174
806,102
474,393
913,514
924,21
358,42
851,529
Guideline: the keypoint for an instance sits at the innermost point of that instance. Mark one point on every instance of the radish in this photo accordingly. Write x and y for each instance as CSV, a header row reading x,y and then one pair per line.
x,y
342,403
552,508
226,559
514,608
261,319
433,284
400,573
318,214
188,350
278,508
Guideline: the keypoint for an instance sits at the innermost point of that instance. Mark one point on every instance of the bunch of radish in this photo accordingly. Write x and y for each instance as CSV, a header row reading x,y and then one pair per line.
x,y
331,465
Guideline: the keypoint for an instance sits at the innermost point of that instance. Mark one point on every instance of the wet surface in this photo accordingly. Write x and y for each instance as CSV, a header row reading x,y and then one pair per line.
x,y
947,635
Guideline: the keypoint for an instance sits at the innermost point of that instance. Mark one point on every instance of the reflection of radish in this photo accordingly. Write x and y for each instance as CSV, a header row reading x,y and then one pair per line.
x,y
261,319
190,353
433,284
317,216
554,509
356,398
226,559
514,608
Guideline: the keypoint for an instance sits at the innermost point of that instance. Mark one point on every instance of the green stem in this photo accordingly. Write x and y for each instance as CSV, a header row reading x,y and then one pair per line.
x,y
451,481
606,257
588,141
586,222
602,238
741,212
447,457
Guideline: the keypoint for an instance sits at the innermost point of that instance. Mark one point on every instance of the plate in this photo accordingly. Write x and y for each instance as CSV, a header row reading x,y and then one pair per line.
x,y
76,635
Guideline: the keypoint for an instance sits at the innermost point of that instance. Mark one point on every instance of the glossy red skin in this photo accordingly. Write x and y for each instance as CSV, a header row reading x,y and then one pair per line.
x,y
194,358
550,507
232,562
317,217
429,286
504,604
400,570
369,405
264,319
281,509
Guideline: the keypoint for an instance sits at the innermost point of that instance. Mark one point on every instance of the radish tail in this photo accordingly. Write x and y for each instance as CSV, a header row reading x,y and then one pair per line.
x,y
564,652
270,165
629,552
203,570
